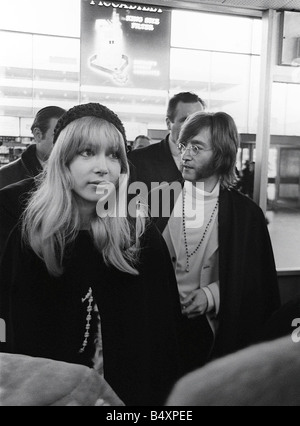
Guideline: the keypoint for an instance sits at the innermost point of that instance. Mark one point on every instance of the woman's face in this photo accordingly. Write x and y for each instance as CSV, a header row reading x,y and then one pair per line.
x,y
92,169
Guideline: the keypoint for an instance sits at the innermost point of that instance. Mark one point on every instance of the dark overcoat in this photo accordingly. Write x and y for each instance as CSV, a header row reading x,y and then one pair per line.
x,y
13,200
23,168
249,291
154,163
47,316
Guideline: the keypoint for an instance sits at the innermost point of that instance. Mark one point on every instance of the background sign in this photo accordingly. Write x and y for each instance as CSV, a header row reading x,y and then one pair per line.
x,y
290,39
125,45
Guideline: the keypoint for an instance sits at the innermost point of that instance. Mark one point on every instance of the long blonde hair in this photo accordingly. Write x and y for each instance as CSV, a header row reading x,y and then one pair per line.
x,y
52,221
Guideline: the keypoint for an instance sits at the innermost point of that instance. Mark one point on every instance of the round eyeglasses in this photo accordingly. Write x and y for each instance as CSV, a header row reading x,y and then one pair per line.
x,y
194,149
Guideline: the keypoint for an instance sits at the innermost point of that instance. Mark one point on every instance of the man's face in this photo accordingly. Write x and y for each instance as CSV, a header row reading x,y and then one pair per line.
x,y
199,167
183,110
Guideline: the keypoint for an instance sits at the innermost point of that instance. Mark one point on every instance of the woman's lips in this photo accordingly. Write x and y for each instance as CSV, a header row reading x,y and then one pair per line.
x,y
96,182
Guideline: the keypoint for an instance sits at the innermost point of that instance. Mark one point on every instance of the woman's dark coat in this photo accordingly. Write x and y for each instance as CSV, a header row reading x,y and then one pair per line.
x,y
46,316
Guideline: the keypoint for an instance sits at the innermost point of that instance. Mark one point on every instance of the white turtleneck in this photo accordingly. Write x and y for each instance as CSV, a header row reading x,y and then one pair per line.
x,y
204,204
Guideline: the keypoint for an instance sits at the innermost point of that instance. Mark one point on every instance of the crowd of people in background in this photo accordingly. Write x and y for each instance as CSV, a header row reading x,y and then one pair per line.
x,y
143,300
141,141
245,177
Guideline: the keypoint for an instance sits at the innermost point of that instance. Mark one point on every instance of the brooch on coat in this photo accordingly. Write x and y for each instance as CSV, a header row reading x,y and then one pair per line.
x,y
89,297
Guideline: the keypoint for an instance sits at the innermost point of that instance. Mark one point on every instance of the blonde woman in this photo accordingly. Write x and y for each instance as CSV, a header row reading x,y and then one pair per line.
x,y
82,288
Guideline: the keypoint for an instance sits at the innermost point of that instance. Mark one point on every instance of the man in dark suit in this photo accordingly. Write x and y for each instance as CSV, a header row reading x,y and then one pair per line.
x,y
161,162
17,179
13,199
32,161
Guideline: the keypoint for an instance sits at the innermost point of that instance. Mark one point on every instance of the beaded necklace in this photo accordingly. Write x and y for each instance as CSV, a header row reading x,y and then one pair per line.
x,y
89,297
189,255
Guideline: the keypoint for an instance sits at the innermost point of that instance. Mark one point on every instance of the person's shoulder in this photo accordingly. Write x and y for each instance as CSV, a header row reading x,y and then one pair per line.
x,y
11,173
223,381
14,190
145,152
243,203
240,198
9,168
24,184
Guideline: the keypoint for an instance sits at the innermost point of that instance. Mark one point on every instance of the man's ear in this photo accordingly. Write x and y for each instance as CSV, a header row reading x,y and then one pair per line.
x,y
38,135
169,123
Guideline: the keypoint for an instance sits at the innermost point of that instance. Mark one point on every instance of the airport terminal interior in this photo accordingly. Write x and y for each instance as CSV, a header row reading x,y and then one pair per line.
x,y
240,56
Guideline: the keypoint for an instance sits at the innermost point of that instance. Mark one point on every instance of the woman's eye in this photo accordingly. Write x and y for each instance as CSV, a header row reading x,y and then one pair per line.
x,y
87,153
114,156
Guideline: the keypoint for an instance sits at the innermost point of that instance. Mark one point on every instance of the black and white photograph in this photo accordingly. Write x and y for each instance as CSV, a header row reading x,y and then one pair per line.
x,y
150,205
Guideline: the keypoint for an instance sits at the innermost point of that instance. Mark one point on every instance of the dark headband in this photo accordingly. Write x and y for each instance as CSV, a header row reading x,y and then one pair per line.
x,y
88,110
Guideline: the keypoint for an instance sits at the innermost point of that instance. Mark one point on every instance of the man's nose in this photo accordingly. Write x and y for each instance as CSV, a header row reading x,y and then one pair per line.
x,y
186,156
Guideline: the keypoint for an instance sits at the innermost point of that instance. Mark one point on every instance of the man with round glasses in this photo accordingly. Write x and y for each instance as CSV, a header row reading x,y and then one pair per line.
x,y
223,259
194,149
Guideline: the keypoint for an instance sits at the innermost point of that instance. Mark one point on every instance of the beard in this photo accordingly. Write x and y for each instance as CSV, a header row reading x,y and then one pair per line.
x,y
204,172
